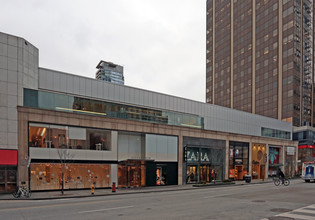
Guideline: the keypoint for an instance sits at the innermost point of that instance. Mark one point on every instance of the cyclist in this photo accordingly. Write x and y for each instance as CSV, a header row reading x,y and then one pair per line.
x,y
281,176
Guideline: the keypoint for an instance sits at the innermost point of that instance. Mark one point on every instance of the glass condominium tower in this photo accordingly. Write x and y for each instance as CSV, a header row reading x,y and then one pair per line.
x,y
260,57
110,72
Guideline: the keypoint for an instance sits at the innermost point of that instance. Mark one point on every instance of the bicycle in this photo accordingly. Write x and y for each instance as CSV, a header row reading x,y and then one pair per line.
x,y
277,181
22,191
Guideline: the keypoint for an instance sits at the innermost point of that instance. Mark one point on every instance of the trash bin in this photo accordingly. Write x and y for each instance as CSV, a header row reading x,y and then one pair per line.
x,y
248,178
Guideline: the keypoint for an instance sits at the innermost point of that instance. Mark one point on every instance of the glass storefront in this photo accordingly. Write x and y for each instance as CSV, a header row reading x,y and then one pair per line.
x,y
132,173
7,179
62,102
48,176
238,160
58,136
203,164
259,157
146,159
275,161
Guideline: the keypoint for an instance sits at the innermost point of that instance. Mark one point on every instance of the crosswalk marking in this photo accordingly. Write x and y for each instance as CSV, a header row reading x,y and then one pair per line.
x,y
304,213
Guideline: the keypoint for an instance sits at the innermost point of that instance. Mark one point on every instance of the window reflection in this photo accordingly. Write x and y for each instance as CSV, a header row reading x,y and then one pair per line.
x,y
268,132
74,104
55,136
45,176
99,139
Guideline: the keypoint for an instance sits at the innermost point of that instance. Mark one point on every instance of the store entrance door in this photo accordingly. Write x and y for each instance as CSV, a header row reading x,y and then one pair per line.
x,y
192,174
131,173
205,173
7,179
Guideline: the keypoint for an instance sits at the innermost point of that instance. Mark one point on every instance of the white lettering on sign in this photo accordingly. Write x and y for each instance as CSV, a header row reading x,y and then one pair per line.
x,y
194,156
204,156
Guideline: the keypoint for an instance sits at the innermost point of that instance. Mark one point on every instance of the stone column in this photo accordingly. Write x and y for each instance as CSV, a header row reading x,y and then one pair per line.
x,y
180,159
250,157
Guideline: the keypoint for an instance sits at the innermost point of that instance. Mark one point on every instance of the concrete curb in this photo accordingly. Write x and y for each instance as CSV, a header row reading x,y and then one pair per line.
x,y
134,192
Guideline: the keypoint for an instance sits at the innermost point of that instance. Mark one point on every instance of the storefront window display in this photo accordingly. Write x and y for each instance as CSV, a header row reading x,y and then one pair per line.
x,y
132,173
7,179
275,161
203,164
58,136
238,160
47,176
259,157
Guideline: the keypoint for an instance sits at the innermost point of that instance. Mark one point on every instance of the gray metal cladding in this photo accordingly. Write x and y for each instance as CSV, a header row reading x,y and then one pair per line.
x,y
216,118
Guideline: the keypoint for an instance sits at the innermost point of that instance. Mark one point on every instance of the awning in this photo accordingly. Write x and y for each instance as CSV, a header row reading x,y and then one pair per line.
x,y
8,157
306,146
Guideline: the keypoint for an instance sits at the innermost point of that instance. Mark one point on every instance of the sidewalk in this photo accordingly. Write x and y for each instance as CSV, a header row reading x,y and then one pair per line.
x,y
108,192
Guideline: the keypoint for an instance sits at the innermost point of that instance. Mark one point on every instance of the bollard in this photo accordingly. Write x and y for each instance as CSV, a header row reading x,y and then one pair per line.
x,y
114,187
92,189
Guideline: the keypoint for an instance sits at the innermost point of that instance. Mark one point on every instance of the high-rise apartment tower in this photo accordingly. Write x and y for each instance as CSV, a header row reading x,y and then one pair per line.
x,y
260,57
110,72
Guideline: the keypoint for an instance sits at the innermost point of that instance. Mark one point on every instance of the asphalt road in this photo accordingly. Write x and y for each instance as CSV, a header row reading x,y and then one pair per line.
x,y
254,201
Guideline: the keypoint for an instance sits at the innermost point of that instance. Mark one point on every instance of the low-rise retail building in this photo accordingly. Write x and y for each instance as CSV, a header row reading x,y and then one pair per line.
x,y
63,129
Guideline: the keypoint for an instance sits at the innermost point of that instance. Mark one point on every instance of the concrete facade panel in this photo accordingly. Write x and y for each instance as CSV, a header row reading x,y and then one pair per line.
x,y
3,75
3,123
12,51
56,82
88,87
120,93
12,40
12,64
100,90
3,49
126,96
12,90
76,85
63,83
3,139
4,62
12,76
3,38
12,126
12,114
12,101
12,139
69,84
39,153
82,86
94,88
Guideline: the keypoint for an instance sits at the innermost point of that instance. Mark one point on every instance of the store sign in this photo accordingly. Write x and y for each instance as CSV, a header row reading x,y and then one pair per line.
x,y
290,150
238,161
193,155
8,157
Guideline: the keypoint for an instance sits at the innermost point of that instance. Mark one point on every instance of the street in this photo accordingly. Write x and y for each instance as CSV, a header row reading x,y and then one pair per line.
x,y
252,201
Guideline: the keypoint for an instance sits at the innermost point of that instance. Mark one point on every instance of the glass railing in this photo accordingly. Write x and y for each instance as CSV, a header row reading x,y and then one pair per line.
x,y
74,104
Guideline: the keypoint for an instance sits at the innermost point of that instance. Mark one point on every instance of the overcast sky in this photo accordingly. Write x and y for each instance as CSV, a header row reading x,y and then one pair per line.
x,y
160,43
